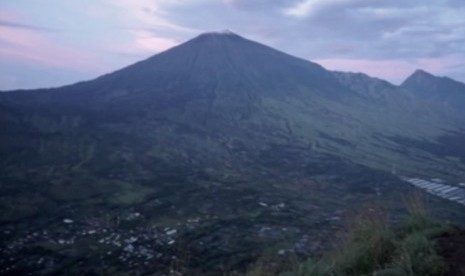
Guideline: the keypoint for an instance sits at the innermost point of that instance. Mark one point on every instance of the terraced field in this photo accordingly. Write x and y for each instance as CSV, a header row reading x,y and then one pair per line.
x,y
439,188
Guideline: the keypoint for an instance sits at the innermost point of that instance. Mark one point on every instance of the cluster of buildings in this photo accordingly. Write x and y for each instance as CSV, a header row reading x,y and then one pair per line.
x,y
113,246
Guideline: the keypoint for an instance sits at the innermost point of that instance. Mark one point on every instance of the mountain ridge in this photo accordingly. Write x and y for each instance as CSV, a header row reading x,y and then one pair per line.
x,y
221,38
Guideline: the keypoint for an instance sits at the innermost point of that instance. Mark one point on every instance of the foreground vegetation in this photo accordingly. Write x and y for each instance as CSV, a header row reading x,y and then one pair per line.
x,y
372,246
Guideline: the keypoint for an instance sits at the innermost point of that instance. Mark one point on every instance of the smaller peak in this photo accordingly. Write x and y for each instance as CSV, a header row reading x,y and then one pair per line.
x,y
421,72
419,76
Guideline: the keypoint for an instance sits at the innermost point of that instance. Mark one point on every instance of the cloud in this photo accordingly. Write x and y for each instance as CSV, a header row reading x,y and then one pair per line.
x,y
385,39
25,42
145,42
309,8
147,27
149,13
29,46
16,25
259,5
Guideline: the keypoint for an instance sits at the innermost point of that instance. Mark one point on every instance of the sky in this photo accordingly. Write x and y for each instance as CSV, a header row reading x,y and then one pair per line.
x,y
48,43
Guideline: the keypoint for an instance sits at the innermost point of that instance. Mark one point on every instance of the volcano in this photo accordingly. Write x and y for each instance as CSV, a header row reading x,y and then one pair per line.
x,y
221,147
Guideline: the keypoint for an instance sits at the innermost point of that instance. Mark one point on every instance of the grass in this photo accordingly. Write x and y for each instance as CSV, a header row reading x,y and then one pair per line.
x,y
373,247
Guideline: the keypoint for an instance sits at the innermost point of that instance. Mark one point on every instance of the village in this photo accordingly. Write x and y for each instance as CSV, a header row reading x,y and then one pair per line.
x,y
127,242
131,247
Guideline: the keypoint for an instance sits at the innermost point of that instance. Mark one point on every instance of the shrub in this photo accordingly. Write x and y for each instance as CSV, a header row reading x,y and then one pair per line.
x,y
373,248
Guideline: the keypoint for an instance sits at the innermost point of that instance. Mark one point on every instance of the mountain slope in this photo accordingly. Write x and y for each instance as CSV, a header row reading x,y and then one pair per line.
x,y
422,127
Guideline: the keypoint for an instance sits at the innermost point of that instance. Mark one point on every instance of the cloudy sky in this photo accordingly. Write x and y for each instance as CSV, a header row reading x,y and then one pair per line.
x,y
46,43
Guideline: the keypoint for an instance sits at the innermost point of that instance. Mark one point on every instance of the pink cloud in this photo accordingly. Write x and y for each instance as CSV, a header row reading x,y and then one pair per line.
x,y
141,44
393,70
48,49
149,13
148,42
31,46
8,15
27,45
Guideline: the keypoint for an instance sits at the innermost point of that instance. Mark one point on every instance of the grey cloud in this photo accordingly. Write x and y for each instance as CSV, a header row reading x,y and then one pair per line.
x,y
336,29
455,3
385,32
456,72
17,25
259,5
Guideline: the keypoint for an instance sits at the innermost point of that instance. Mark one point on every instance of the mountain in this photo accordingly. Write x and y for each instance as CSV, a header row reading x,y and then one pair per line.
x,y
402,99
220,148
208,66
417,108
440,90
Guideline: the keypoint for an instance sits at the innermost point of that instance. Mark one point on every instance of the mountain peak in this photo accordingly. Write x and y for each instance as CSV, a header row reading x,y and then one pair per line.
x,y
222,32
217,38
419,77
219,34
442,90
421,72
